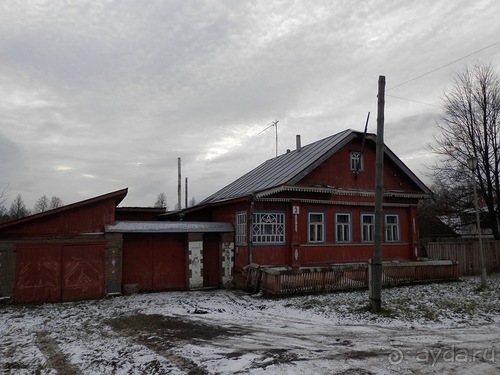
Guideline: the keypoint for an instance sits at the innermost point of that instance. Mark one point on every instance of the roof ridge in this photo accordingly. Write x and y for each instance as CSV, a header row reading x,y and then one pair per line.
x,y
119,195
278,170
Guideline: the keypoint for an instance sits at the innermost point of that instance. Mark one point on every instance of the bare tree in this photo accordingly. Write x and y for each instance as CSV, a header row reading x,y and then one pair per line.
x,y
3,207
452,203
55,202
18,208
469,127
3,201
161,201
41,205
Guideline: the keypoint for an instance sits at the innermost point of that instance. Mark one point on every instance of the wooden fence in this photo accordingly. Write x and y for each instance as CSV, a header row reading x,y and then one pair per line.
x,y
283,281
466,253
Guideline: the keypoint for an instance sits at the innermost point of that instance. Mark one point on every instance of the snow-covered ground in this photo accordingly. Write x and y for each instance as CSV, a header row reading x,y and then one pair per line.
x,y
443,328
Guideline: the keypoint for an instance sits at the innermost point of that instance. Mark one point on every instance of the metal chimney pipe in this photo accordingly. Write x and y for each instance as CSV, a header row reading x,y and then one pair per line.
x,y
186,187
179,188
297,138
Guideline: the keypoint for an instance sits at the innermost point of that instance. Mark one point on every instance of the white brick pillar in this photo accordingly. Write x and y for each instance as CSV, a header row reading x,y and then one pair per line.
x,y
227,263
195,263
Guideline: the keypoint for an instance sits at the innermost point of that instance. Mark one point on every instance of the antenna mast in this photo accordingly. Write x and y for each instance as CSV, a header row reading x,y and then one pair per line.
x,y
358,164
275,124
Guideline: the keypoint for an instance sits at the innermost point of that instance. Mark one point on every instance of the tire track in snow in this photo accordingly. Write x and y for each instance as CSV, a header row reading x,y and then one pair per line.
x,y
56,359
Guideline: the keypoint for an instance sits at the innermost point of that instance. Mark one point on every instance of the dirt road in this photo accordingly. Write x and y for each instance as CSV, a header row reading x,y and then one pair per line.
x,y
229,332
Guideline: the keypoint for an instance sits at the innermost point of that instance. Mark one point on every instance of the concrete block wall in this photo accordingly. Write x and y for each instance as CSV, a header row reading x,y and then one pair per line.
x,y
227,257
7,268
113,263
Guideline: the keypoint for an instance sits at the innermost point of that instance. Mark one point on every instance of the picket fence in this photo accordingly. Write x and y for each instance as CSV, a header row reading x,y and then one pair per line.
x,y
286,281
466,253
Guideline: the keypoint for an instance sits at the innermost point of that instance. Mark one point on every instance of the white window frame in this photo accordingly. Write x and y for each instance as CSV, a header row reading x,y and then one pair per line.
x,y
392,230
354,156
315,228
241,228
343,230
367,228
268,228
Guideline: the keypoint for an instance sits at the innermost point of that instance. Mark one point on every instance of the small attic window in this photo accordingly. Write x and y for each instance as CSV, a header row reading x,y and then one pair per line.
x,y
356,161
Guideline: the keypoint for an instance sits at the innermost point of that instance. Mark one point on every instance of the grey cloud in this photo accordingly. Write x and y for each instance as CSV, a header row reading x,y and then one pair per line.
x,y
120,89
10,160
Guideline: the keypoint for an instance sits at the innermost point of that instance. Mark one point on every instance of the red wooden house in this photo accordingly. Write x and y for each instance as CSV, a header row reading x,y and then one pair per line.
x,y
314,206
303,211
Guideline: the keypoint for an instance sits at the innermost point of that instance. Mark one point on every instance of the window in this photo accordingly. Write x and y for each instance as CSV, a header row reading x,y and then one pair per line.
x,y
241,228
343,227
316,227
367,227
356,161
268,228
391,228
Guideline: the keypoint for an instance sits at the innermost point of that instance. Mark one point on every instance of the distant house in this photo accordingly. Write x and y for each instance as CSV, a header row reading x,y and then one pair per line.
x,y
314,206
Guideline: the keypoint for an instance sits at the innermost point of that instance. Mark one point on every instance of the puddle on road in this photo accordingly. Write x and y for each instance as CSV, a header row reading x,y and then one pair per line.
x,y
169,330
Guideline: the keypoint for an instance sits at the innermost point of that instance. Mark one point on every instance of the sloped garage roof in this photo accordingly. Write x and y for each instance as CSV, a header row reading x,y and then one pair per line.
x,y
168,227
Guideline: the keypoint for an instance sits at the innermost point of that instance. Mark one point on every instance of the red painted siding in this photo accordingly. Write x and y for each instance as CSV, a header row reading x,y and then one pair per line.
x,y
271,255
240,258
330,251
313,255
84,219
336,172
138,213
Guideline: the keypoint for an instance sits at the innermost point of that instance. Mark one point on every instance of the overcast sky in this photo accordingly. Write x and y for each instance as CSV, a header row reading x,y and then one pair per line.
x,y
101,95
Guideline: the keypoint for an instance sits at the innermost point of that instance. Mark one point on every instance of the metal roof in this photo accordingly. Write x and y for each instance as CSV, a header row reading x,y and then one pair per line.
x,y
168,227
280,170
293,166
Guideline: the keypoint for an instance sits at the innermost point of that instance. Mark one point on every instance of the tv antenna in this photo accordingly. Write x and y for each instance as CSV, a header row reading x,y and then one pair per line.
x,y
358,163
275,124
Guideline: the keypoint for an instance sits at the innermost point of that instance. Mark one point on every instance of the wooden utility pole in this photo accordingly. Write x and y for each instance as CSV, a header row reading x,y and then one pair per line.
x,y
375,266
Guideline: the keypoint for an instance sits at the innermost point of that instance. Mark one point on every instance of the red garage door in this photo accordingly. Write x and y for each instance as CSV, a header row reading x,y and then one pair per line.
x,y
211,260
137,261
169,262
54,272
154,261
83,272
38,273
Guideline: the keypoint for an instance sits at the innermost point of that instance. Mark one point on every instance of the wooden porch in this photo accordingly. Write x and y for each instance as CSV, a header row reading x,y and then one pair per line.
x,y
279,281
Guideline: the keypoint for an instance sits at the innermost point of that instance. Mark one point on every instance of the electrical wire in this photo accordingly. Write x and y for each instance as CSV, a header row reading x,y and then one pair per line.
x,y
411,100
443,66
